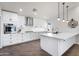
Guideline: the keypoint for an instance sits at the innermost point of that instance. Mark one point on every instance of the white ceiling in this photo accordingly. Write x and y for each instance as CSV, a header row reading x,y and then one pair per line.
x,y
44,9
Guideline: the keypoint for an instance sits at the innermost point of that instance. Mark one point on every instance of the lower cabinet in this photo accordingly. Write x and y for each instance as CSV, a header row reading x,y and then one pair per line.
x,y
26,37
19,38
15,38
29,36
35,36
77,39
11,39
6,40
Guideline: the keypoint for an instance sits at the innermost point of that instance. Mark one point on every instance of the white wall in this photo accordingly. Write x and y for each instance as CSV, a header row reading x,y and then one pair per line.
x,y
73,13
39,24
63,26
21,24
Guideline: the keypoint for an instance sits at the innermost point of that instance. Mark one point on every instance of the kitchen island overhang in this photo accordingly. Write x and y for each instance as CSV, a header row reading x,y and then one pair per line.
x,y
57,44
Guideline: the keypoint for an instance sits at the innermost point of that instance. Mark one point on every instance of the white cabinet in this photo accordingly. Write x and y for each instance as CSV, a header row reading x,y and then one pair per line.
x,y
55,46
19,38
49,44
64,45
29,36
14,39
35,35
6,40
77,39
21,20
10,39
9,17
26,37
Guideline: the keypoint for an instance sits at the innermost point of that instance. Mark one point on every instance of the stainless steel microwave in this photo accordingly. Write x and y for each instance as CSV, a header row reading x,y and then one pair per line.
x,y
9,28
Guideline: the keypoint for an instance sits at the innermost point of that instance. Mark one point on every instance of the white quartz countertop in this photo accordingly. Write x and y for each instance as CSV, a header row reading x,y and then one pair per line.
x,y
63,36
36,31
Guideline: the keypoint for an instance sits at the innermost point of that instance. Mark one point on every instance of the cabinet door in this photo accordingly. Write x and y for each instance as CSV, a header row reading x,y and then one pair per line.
x,y
26,37
6,16
6,40
49,44
16,38
9,17
19,38
29,36
64,45
10,39
35,35
13,39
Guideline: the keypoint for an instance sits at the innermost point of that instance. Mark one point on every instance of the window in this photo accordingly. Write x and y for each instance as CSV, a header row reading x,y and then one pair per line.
x,y
29,21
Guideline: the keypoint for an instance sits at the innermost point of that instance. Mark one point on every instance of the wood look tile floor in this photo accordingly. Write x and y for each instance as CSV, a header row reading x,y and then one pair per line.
x,y
33,49
73,51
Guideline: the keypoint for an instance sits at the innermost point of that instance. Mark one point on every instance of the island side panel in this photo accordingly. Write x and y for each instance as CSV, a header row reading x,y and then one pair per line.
x,y
49,45
64,45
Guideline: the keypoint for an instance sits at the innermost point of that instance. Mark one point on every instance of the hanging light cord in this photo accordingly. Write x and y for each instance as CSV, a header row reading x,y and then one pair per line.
x,y
67,11
63,11
58,10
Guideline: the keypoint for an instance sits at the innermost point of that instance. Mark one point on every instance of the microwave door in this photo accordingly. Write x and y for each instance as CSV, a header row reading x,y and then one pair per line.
x,y
7,30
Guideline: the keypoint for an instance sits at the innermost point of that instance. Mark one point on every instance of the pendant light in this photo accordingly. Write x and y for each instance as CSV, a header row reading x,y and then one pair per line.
x,y
63,11
34,11
67,13
58,11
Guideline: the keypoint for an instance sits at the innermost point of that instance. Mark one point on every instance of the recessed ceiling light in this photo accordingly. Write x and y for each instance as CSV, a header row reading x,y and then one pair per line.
x,y
20,9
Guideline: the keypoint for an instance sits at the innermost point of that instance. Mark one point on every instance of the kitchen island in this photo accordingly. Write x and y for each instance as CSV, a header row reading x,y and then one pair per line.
x,y
57,44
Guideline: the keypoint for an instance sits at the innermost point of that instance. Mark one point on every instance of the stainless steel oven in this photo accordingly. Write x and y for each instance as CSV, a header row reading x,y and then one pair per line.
x,y
9,28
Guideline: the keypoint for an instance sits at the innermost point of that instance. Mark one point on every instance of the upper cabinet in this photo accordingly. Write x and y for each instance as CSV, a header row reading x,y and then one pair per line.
x,y
21,20
9,17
